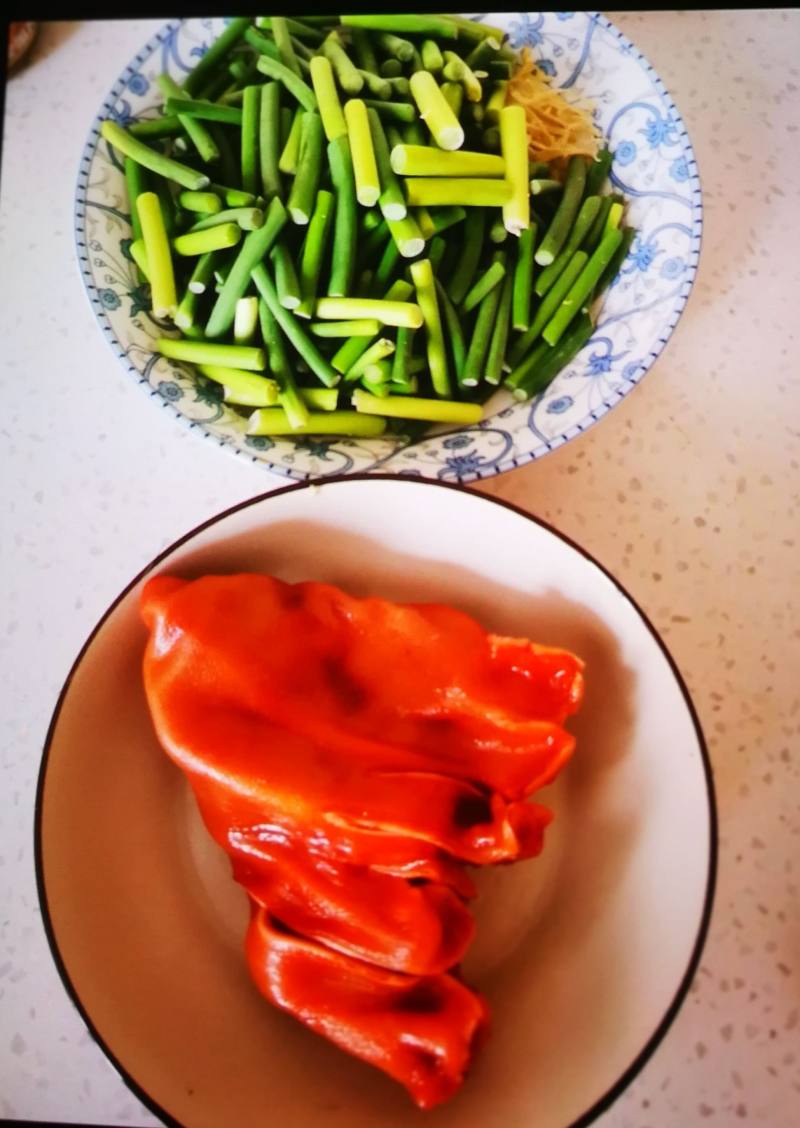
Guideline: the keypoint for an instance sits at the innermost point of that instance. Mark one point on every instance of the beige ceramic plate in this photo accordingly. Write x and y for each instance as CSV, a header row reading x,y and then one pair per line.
x,y
585,954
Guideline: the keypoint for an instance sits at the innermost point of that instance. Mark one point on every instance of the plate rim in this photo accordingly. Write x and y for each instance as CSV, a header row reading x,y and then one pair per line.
x,y
612,400
614,1091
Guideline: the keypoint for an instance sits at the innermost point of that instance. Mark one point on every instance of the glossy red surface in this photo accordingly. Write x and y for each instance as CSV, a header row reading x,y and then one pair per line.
x,y
353,756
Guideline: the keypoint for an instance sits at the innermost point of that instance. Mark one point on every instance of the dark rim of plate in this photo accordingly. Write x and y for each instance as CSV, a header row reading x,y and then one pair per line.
x,y
625,386
619,1086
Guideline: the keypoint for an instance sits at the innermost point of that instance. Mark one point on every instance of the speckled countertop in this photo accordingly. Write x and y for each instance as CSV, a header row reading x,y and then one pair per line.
x,y
688,491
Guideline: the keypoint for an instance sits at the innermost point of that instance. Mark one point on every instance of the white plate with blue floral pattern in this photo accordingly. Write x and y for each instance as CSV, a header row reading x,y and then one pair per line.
x,y
653,166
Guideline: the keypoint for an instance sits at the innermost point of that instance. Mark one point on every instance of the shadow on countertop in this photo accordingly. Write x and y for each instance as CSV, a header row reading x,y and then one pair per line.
x,y
50,34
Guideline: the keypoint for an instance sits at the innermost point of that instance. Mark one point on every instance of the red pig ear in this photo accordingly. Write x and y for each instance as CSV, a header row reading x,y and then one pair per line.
x,y
350,755
154,595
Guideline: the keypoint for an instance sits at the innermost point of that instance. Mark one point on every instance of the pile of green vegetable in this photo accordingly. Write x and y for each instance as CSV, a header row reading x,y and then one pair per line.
x,y
340,218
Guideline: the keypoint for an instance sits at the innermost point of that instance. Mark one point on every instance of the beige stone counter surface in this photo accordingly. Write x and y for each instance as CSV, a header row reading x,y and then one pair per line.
x,y
687,491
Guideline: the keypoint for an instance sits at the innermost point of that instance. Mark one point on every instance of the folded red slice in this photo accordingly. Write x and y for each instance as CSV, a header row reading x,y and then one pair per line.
x,y
352,755
420,1030
420,685
421,929
246,767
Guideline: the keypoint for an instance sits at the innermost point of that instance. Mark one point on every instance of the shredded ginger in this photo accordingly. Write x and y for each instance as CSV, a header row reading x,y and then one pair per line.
x,y
557,128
